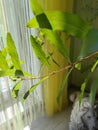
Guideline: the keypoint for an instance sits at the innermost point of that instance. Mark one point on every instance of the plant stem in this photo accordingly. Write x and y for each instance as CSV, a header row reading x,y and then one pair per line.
x,y
70,66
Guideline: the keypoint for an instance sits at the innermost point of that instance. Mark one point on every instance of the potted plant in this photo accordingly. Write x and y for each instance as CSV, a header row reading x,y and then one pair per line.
x,y
49,25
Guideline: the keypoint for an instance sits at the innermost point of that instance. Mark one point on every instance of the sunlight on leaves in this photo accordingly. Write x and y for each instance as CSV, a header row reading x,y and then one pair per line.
x,y
69,23
5,52
3,62
36,8
33,88
27,74
15,89
54,39
12,51
38,51
36,22
7,72
19,73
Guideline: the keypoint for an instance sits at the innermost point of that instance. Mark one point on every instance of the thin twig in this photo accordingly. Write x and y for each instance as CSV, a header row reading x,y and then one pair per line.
x,y
49,74
70,66
88,57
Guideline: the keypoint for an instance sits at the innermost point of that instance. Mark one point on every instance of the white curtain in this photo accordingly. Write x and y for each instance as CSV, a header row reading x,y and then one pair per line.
x,y
14,115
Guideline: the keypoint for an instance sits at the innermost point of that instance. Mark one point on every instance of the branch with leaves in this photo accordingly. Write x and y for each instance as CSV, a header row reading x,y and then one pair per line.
x,y
70,66
48,23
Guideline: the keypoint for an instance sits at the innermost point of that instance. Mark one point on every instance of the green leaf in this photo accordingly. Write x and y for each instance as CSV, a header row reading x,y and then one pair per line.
x,y
3,62
41,17
90,43
38,12
33,87
93,91
83,86
38,51
8,72
37,23
13,52
15,89
78,66
63,86
54,39
5,52
50,56
36,8
82,91
94,66
19,73
55,61
33,23
46,23
71,24
27,74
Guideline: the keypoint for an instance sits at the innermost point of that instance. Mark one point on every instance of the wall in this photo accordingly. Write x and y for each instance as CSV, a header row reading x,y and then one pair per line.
x,y
88,10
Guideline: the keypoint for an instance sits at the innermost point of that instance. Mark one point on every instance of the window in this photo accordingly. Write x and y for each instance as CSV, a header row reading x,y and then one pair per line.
x,y
14,115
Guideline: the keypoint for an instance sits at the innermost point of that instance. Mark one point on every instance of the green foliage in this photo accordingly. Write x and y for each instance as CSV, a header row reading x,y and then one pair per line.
x,y
19,73
64,83
78,66
12,51
72,25
90,43
66,22
33,87
54,39
94,88
94,66
83,86
38,51
49,24
7,72
3,62
40,16
36,8
15,89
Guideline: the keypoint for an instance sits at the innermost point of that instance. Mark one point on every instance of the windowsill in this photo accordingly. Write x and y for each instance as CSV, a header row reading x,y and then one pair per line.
x,y
59,121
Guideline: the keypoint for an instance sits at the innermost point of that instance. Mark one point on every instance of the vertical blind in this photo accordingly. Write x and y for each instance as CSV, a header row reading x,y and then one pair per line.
x,y
15,115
